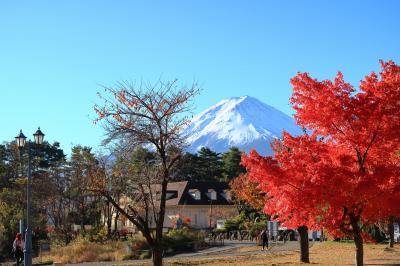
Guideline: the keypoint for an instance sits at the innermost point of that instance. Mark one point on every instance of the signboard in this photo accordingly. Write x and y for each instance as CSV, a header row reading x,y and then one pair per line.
x,y
396,232
44,247
273,228
220,224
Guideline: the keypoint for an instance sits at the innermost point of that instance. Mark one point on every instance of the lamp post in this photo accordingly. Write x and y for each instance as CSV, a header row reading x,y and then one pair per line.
x,y
211,213
21,141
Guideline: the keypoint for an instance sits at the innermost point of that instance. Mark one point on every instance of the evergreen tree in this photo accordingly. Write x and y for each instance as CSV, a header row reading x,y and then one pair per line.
x,y
13,171
82,163
211,165
231,164
188,168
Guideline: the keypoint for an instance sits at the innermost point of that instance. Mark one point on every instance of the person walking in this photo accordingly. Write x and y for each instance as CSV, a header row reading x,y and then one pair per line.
x,y
18,249
264,238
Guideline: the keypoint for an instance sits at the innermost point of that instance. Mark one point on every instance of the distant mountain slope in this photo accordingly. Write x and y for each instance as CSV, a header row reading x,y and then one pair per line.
x,y
244,122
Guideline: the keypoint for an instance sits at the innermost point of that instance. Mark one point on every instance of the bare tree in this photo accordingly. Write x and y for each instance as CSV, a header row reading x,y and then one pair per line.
x,y
115,186
152,116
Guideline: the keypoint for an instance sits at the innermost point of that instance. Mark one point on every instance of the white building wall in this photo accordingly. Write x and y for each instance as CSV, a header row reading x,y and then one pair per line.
x,y
200,214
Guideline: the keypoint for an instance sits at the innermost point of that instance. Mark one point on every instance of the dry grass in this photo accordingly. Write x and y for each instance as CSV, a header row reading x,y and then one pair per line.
x,y
84,251
327,253
333,253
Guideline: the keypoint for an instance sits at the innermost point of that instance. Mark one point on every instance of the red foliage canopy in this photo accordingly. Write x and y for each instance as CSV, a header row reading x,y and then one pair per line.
x,y
247,190
347,166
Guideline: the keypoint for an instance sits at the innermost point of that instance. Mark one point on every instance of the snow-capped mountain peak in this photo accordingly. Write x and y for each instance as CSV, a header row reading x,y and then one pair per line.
x,y
243,122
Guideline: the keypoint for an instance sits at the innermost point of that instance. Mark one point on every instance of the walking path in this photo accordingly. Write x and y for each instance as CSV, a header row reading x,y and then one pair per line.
x,y
228,247
233,249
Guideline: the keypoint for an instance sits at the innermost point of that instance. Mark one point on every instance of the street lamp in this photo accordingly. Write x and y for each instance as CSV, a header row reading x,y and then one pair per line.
x,y
211,209
38,137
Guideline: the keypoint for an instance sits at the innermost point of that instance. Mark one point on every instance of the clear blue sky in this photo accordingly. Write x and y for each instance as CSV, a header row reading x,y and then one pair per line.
x,y
54,54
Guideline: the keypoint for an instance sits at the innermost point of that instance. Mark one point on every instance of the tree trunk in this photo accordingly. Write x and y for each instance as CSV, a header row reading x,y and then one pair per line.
x,y
116,221
321,238
108,219
304,248
359,250
391,234
358,240
157,255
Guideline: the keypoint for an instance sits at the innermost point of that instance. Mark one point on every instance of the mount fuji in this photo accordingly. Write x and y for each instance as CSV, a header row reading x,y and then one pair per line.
x,y
243,122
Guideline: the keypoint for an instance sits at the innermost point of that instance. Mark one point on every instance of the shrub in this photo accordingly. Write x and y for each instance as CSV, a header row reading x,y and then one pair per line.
x,y
234,223
256,228
145,255
97,234
180,240
138,242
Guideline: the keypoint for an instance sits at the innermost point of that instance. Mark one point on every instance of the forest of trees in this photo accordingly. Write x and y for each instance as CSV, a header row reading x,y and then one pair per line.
x,y
208,165
61,197
58,190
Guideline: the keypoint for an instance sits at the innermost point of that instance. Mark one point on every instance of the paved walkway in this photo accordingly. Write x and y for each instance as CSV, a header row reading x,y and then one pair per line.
x,y
232,249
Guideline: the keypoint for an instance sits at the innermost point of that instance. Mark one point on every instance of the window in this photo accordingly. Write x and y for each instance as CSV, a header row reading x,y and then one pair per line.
x,y
195,194
212,194
171,194
226,194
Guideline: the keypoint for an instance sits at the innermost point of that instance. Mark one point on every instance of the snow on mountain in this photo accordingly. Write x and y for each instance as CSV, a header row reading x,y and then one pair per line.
x,y
243,122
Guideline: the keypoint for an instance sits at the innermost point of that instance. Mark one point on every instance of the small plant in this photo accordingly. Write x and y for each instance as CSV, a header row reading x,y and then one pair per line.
x,y
179,240
234,223
97,234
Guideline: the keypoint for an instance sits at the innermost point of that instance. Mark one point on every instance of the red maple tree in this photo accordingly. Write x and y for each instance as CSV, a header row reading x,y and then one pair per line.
x,y
343,173
246,190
